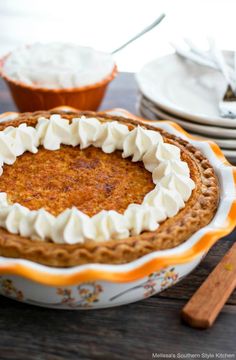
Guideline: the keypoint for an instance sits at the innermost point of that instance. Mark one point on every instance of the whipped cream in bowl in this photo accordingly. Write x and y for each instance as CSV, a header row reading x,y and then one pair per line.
x,y
58,65
44,76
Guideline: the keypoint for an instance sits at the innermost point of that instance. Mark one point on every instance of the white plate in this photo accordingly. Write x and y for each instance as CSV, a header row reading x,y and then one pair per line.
x,y
185,89
211,131
223,143
229,153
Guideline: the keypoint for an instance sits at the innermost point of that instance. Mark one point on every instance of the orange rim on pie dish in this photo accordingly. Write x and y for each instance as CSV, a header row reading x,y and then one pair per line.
x,y
85,187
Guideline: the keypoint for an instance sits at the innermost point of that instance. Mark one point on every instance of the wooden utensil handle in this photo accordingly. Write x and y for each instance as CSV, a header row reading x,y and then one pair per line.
x,y
204,306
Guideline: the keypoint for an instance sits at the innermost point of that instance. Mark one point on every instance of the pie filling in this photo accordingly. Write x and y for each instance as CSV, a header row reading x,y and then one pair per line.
x,y
109,182
88,179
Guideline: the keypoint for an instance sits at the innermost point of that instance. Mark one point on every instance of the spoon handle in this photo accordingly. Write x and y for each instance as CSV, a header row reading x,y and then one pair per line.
x,y
144,31
207,302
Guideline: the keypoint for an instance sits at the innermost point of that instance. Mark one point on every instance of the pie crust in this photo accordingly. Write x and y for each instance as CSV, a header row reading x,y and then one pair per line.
x,y
198,211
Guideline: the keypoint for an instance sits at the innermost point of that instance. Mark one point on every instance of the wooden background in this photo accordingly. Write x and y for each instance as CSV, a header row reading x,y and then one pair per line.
x,y
133,331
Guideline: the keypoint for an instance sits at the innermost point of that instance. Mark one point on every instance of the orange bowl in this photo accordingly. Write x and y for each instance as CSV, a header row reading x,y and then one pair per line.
x,y
33,98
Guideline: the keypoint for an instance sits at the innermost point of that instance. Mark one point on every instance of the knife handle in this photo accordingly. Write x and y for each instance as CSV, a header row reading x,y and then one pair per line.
x,y
205,305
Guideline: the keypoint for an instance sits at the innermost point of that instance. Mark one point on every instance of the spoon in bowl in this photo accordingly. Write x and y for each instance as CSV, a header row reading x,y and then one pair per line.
x,y
141,33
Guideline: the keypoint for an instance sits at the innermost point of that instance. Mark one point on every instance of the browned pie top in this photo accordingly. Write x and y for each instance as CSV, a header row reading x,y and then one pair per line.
x,y
22,184
89,179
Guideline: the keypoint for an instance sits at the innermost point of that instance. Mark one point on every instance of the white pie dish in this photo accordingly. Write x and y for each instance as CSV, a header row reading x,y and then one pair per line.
x,y
96,285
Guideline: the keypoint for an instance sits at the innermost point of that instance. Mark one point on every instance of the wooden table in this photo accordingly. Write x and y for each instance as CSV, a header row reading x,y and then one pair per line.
x,y
134,331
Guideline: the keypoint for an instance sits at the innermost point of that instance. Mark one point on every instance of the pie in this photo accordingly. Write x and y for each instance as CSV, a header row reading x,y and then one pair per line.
x,y
85,187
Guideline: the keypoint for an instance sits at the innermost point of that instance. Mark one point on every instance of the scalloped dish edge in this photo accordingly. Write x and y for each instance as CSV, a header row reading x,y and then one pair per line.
x,y
184,253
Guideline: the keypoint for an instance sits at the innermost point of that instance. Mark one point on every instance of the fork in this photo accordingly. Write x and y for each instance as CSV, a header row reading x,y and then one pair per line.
x,y
227,105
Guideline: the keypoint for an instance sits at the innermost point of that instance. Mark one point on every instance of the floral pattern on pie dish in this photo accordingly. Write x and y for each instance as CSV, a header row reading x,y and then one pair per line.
x,y
89,295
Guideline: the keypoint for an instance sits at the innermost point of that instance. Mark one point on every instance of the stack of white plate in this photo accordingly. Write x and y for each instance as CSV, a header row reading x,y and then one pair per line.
x,y
187,93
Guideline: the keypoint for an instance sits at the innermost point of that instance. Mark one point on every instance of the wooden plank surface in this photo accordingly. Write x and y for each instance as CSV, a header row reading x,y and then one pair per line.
x,y
134,331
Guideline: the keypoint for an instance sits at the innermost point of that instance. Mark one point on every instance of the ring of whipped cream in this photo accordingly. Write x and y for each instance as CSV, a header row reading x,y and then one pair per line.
x,y
171,176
